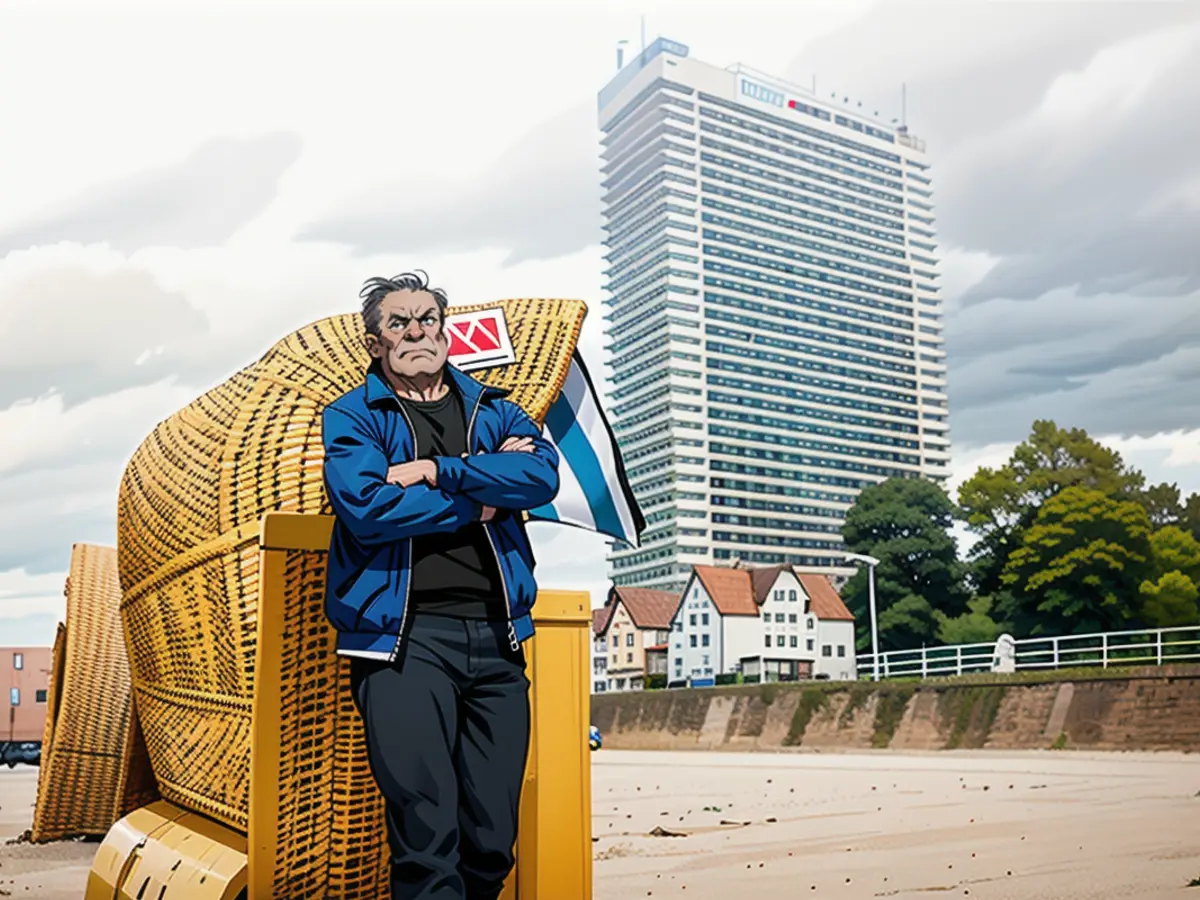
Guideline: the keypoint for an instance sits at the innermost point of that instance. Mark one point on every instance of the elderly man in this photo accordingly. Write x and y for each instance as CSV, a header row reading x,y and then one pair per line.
x,y
430,588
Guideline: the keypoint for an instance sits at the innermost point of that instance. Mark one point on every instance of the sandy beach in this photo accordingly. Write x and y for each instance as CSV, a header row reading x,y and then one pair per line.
x,y
992,826
996,826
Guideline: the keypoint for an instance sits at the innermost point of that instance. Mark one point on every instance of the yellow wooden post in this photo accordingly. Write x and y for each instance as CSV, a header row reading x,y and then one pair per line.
x,y
554,846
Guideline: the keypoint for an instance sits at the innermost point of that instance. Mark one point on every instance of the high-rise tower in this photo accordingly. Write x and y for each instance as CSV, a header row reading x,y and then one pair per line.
x,y
773,322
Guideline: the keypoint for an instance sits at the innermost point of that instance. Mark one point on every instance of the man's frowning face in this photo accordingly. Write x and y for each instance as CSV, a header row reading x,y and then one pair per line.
x,y
411,339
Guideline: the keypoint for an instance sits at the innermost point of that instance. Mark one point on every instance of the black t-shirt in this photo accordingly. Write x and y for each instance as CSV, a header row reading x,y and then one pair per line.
x,y
453,573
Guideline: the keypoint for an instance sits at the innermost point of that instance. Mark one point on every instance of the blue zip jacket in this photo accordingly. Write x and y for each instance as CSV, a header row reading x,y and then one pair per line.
x,y
365,432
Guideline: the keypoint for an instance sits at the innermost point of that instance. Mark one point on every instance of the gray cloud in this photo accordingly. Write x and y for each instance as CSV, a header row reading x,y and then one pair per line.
x,y
1092,303
47,510
539,200
1136,400
1110,364
198,202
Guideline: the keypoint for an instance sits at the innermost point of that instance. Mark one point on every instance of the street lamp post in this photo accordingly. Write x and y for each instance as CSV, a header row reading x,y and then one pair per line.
x,y
871,562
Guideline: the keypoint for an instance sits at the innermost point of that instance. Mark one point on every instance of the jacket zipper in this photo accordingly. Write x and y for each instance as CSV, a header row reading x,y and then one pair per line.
x,y
513,643
412,437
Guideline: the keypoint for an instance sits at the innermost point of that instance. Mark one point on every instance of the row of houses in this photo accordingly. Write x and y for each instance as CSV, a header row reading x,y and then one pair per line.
x,y
768,624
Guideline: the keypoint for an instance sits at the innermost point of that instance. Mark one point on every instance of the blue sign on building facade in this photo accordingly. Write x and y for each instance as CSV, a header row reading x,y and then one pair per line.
x,y
762,93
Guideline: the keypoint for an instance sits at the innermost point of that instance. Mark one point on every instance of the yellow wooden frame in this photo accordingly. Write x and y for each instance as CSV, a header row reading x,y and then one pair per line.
x,y
554,848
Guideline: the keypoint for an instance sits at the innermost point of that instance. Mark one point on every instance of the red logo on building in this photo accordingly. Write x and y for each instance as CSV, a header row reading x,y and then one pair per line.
x,y
479,340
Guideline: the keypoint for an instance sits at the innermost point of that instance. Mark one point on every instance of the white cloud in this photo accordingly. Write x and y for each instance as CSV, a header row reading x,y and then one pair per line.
x,y
1116,78
43,433
24,594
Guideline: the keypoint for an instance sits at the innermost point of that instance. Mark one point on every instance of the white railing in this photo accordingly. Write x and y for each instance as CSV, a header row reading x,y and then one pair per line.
x,y
1151,647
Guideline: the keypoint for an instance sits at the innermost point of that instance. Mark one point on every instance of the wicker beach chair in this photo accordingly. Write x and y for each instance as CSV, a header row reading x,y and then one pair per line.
x,y
242,705
84,753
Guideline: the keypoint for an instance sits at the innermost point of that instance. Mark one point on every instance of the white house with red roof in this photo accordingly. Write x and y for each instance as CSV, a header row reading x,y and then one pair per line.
x,y
630,638
773,623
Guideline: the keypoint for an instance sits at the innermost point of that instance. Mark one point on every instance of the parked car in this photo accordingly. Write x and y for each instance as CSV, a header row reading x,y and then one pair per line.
x,y
594,739
20,752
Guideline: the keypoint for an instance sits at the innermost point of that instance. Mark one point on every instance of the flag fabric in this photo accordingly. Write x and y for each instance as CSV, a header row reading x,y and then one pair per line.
x,y
593,492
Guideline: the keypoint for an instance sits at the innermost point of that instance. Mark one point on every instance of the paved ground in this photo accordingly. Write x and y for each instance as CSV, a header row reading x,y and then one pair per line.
x,y
55,871
996,826
1011,826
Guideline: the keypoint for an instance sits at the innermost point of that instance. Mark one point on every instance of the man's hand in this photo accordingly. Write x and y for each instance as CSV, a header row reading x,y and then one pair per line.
x,y
517,445
410,473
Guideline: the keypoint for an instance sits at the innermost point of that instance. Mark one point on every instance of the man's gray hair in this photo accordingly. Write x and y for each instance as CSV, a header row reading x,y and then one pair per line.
x,y
375,289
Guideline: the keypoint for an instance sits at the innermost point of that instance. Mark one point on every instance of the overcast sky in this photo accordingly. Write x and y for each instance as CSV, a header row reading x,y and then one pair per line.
x,y
179,192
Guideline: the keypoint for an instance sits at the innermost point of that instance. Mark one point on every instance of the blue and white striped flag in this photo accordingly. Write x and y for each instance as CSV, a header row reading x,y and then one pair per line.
x,y
593,491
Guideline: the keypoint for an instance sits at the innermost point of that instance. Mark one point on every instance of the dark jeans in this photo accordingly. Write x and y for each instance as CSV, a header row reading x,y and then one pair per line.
x,y
447,728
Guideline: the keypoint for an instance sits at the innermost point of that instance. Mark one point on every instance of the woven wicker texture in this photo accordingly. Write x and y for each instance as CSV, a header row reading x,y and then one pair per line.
x,y
188,511
88,717
331,840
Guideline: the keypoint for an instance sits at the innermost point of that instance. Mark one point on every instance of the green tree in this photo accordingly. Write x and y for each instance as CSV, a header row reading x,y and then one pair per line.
x,y
1169,595
1000,503
1079,565
905,522
1162,504
1174,550
1170,601
906,624
976,626
1190,519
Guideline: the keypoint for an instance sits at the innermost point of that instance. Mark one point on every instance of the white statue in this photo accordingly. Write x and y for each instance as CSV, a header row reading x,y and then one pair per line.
x,y
1004,659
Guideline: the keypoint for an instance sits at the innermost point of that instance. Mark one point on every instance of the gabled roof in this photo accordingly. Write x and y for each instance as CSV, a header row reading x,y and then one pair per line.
x,y
763,580
647,608
731,590
600,620
825,602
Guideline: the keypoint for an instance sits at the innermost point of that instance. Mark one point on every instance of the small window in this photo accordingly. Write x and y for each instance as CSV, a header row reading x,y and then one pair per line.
x,y
809,643
18,661
767,640
616,640
614,659
692,620
693,640
794,640
14,696
791,618
704,640
826,650
629,639
628,657
704,618
841,651
792,596
811,624
779,640
778,617
707,662
39,696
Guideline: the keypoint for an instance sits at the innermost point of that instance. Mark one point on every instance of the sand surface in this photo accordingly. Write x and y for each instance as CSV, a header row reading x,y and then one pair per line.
x,y
56,871
991,826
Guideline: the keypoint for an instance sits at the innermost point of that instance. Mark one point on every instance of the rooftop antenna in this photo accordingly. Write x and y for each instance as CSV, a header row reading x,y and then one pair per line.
x,y
643,34
621,54
903,105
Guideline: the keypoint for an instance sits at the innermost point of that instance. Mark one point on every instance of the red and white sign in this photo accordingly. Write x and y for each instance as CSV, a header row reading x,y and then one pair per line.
x,y
479,340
